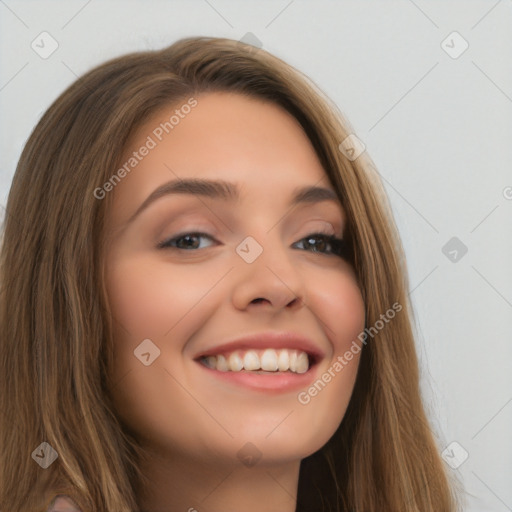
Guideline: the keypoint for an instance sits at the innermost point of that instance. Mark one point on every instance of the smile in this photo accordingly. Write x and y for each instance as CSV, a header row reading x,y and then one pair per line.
x,y
270,362
259,361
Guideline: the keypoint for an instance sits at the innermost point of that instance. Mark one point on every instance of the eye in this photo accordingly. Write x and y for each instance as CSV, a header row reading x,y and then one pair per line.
x,y
329,244
185,241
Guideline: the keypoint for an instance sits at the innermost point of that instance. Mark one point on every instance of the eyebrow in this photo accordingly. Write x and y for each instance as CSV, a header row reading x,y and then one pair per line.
x,y
224,190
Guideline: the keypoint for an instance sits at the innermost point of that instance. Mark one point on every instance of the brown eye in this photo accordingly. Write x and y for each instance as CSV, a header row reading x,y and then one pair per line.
x,y
325,244
185,241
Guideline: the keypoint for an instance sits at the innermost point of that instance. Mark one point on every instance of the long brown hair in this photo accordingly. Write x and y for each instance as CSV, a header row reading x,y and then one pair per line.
x,y
56,328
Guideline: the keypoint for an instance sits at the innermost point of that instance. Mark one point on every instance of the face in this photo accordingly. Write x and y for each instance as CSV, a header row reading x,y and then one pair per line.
x,y
201,283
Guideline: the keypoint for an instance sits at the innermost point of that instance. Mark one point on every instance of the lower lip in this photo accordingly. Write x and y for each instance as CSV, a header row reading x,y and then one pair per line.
x,y
267,382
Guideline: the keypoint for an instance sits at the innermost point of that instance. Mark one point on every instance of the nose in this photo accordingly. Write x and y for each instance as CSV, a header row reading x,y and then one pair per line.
x,y
270,281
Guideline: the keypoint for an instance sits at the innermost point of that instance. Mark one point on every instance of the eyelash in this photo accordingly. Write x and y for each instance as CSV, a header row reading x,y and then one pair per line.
x,y
338,244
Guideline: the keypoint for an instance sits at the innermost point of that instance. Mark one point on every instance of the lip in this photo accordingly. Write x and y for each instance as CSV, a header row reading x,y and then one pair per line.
x,y
267,382
259,341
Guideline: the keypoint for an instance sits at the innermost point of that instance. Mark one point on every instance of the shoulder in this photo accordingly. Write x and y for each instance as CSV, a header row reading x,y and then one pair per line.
x,y
62,504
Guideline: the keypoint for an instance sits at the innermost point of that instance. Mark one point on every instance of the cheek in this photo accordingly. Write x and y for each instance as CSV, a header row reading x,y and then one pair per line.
x,y
157,301
338,303
148,298
153,300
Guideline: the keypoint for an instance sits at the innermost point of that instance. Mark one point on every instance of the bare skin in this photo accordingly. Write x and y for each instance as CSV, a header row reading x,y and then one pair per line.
x,y
198,294
64,504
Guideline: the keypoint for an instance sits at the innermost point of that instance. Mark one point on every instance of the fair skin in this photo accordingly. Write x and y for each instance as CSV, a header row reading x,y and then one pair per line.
x,y
64,504
202,293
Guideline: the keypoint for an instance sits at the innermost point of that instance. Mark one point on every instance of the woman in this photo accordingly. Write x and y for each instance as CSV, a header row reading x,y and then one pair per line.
x,y
272,367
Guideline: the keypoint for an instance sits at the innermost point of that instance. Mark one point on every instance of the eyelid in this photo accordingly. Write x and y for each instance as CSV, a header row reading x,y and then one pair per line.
x,y
327,229
320,232
204,228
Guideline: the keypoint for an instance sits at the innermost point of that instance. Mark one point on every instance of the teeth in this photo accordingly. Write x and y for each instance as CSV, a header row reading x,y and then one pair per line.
x,y
251,361
211,361
302,364
235,363
269,360
293,362
221,365
283,361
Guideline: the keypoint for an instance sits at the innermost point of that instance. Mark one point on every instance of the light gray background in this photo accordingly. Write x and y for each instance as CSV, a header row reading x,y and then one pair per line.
x,y
438,128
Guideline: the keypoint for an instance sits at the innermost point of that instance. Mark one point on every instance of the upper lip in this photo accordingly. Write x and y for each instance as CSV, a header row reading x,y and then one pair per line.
x,y
269,339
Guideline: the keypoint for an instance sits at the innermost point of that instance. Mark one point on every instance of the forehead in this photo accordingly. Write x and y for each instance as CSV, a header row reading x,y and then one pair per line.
x,y
224,136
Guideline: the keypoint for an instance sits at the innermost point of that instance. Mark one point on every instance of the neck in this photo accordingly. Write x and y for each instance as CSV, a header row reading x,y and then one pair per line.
x,y
183,484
